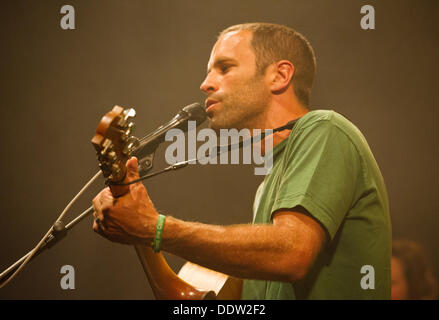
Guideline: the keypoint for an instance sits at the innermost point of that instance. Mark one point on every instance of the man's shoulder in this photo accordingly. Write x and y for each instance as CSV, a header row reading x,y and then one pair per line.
x,y
328,117
324,121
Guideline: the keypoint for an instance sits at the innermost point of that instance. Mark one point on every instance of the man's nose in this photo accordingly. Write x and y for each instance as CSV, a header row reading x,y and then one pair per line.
x,y
209,85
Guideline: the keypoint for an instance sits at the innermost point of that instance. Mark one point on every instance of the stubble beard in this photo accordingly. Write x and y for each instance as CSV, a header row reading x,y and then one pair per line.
x,y
243,108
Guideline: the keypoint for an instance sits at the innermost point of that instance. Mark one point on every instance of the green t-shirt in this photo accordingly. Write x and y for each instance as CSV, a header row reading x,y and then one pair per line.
x,y
327,167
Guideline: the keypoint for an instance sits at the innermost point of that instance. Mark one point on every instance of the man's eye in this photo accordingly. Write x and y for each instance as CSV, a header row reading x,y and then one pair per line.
x,y
225,68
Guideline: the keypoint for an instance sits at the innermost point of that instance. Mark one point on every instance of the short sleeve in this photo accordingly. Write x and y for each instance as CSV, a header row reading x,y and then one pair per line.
x,y
321,170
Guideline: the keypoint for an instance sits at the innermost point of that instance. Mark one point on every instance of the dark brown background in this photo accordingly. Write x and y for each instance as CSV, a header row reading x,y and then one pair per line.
x,y
152,55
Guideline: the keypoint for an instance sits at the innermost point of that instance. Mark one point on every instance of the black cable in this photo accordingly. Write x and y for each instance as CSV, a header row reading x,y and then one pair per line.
x,y
172,167
288,126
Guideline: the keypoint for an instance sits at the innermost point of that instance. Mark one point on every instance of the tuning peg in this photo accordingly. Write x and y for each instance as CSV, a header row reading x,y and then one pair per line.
x,y
131,144
112,156
129,113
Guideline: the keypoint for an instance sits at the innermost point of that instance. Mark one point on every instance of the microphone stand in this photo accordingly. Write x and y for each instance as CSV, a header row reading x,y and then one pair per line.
x,y
59,230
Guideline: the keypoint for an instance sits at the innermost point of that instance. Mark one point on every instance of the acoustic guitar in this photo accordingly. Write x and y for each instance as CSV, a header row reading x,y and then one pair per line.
x,y
114,144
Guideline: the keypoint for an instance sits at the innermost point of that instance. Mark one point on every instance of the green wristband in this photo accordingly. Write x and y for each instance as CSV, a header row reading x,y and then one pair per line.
x,y
158,233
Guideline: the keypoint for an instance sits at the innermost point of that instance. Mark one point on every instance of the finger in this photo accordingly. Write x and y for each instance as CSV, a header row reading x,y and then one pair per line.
x,y
96,227
97,211
99,222
102,203
132,169
111,234
107,200
137,190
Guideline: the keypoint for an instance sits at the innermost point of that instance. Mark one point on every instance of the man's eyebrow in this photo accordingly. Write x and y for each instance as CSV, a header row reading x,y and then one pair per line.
x,y
221,61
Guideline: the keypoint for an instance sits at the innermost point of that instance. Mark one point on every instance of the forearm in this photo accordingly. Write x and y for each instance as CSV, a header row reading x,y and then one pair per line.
x,y
282,251
245,251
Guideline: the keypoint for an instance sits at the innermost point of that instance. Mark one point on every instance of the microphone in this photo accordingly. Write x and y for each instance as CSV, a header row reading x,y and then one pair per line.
x,y
148,144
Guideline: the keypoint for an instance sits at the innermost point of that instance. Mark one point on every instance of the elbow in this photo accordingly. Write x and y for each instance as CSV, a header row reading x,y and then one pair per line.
x,y
297,273
296,267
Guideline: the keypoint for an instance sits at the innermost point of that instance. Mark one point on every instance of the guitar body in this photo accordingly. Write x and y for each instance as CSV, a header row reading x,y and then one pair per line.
x,y
224,286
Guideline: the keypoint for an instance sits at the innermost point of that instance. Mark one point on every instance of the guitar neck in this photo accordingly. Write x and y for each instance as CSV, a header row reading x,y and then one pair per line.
x,y
165,284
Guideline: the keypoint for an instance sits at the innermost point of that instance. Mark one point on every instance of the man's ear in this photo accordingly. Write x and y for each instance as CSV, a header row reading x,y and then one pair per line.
x,y
281,74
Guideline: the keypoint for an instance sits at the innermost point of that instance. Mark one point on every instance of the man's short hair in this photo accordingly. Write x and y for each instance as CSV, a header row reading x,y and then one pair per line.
x,y
274,42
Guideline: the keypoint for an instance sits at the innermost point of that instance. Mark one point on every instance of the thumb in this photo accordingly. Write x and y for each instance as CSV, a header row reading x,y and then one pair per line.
x,y
132,169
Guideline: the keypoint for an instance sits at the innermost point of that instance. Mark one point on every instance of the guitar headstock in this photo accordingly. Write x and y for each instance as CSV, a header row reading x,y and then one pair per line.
x,y
114,144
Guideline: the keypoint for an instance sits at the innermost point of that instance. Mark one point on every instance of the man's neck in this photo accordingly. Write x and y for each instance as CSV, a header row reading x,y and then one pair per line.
x,y
277,116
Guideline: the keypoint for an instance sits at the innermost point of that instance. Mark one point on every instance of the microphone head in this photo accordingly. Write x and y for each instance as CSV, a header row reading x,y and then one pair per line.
x,y
196,112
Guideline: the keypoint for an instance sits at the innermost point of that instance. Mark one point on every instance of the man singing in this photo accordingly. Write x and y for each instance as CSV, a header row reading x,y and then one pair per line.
x,y
321,227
